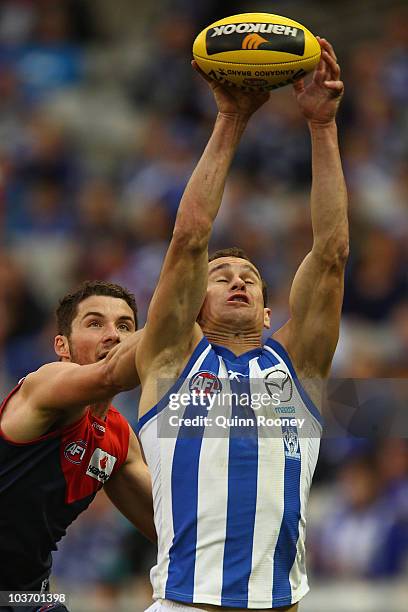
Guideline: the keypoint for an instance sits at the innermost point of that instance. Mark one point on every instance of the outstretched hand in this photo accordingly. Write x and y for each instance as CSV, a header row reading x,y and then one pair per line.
x,y
233,101
320,99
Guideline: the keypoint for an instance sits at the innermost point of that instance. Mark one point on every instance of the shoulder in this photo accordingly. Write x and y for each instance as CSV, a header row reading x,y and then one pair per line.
x,y
11,394
114,412
118,426
133,449
115,416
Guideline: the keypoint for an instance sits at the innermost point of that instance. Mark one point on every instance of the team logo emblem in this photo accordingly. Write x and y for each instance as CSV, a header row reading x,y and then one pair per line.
x,y
291,441
255,36
253,41
205,382
279,382
101,465
75,451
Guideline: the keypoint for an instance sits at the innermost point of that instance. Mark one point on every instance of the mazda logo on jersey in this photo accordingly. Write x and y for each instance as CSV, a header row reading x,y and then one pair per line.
x,y
100,465
205,382
75,451
279,382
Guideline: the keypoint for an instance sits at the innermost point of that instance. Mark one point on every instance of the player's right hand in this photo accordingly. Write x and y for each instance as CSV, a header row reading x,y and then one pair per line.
x,y
233,101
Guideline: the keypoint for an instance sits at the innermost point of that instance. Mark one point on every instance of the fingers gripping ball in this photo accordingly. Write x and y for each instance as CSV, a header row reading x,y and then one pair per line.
x,y
256,51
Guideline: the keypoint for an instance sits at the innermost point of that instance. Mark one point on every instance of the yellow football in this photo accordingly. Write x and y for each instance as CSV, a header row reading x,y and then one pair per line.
x,y
256,51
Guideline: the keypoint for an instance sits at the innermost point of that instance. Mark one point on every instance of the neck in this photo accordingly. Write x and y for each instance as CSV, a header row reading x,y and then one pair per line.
x,y
238,343
100,410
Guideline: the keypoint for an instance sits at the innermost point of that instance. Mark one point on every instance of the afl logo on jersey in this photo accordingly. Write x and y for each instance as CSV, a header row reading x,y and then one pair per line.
x,y
75,451
205,382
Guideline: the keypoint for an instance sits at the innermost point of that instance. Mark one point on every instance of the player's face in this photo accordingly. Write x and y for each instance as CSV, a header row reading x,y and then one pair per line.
x,y
100,324
234,295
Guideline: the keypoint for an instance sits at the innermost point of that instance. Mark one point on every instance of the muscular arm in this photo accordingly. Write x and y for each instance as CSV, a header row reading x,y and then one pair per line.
x,y
316,296
183,280
63,389
120,363
170,331
64,385
130,490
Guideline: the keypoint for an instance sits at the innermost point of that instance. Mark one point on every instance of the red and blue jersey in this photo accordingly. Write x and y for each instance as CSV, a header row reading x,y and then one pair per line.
x,y
46,483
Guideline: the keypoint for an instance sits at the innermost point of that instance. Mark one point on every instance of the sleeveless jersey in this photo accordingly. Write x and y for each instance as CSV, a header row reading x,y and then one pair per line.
x,y
230,500
45,484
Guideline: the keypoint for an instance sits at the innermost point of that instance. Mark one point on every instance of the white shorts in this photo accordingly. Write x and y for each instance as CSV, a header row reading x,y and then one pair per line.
x,y
164,605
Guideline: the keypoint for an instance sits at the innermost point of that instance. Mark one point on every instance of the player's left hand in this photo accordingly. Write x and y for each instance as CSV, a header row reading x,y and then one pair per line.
x,y
231,100
320,99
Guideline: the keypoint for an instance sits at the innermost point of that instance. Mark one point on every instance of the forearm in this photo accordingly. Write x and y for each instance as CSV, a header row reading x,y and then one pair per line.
x,y
130,490
138,509
329,194
120,364
202,197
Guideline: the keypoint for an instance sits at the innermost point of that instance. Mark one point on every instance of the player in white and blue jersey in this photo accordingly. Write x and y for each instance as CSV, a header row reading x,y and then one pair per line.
x,y
231,479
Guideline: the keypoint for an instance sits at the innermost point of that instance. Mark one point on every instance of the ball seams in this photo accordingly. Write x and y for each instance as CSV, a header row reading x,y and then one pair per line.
x,y
218,61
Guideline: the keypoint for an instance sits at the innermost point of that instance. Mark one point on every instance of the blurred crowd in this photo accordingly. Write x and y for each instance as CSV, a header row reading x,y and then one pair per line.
x,y
101,123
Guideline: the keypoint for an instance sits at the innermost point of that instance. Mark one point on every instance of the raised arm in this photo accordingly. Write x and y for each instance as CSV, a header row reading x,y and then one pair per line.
x,y
316,296
170,331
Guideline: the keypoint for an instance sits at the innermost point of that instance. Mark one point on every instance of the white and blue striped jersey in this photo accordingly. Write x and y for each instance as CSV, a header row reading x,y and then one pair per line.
x,y
230,502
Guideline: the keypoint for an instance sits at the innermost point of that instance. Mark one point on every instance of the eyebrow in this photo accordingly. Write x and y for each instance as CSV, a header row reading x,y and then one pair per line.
x,y
245,268
93,313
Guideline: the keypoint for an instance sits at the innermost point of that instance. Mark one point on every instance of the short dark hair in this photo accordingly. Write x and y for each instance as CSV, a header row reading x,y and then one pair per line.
x,y
240,253
68,305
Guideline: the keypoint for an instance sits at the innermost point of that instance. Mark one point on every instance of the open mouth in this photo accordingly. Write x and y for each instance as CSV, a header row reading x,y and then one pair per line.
x,y
239,297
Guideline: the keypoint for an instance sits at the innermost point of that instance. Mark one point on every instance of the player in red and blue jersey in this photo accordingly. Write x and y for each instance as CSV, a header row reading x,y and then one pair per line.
x,y
61,440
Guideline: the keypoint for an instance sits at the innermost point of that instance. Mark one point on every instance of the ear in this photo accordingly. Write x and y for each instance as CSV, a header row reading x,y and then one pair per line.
x,y
267,318
61,347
